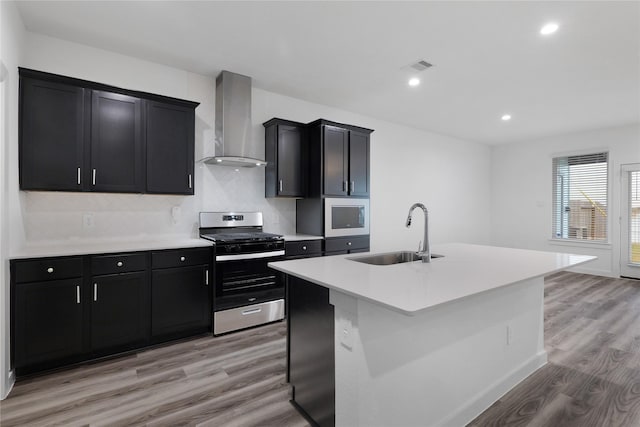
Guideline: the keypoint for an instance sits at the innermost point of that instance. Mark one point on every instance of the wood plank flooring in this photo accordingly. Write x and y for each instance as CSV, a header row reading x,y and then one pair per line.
x,y
592,335
233,380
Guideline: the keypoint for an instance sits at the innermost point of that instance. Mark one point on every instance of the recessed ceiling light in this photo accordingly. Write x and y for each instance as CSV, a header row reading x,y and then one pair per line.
x,y
549,28
414,81
506,117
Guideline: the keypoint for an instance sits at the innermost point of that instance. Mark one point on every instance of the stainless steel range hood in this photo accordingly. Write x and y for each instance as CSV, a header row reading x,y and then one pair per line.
x,y
233,144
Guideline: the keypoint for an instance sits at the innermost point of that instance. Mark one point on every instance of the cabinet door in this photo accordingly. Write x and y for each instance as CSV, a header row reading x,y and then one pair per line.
x,y
336,153
180,301
51,136
291,177
116,142
358,164
48,321
169,148
119,311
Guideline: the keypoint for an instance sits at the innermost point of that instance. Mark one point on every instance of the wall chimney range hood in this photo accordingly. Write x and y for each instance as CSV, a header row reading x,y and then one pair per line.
x,y
233,144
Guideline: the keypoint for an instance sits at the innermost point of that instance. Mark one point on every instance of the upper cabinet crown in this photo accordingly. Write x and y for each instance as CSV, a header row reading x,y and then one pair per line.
x,y
338,159
77,135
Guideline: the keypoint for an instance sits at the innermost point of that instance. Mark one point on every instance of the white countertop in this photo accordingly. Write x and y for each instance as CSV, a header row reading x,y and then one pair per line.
x,y
415,286
103,246
298,237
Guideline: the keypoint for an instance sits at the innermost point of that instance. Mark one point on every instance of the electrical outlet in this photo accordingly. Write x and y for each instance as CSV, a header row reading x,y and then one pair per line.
x,y
88,221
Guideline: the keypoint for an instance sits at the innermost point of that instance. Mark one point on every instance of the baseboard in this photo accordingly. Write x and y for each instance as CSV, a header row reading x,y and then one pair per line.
x,y
493,392
11,380
593,271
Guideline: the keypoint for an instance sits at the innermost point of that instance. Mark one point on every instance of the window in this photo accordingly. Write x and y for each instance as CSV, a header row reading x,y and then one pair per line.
x,y
580,197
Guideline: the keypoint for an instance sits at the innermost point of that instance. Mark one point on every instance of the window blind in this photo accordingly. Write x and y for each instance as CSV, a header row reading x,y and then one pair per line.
x,y
580,197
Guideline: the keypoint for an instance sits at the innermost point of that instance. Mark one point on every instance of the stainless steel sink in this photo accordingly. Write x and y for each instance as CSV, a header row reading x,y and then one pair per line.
x,y
391,258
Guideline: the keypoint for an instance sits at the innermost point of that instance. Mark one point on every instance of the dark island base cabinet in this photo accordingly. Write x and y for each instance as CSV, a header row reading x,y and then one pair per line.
x,y
66,310
311,355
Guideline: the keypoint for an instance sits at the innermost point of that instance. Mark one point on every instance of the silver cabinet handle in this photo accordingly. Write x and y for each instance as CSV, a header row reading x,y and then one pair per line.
x,y
50,270
77,294
182,258
252,299
353,186
93,179
119,264
304,248
348,243
206,277
251,311
190,181
95,292
78,176
280,185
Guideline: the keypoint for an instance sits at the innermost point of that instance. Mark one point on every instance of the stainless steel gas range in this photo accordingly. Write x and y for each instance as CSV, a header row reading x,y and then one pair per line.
x,y
246,292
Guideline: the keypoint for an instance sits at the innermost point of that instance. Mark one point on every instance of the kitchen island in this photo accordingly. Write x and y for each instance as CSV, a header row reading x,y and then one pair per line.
x,y
415,344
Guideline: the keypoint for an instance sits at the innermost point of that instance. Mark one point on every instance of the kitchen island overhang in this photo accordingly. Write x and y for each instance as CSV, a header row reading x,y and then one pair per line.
x,y
431,343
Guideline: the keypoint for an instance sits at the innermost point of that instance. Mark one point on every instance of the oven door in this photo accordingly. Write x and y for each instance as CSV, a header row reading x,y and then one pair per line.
x,y
245,279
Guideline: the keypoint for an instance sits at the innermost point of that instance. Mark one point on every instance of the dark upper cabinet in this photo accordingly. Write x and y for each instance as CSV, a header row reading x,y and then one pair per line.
x,y
336,156
285,153
52,126
358,163
116,143
170,148
338,159
77,135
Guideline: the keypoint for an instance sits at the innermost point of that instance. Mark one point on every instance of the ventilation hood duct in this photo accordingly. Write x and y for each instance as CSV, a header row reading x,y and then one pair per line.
x,y
233,144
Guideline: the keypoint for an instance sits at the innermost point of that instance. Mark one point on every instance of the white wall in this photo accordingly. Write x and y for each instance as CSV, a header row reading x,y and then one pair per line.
x,y
522,192
450,176
11,36
407,165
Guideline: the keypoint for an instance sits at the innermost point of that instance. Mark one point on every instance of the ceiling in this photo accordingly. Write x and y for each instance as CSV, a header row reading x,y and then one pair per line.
x,y
488,57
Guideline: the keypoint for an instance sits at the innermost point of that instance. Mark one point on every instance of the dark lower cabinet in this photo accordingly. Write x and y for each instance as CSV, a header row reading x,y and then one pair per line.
x,y
66,310
119,312
346,245
311,355
48,322
180,301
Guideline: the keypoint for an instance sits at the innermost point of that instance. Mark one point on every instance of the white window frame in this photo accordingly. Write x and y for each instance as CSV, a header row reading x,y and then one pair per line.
x,y
567,241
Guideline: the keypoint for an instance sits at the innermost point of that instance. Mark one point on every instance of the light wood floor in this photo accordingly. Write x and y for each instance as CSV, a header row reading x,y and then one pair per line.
x,y
592,335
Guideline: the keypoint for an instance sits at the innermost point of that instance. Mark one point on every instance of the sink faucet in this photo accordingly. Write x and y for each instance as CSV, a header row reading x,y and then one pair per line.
x,y
425,250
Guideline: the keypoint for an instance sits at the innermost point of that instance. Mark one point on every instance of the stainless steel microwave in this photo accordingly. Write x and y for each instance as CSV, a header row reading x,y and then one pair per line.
x,y
346,217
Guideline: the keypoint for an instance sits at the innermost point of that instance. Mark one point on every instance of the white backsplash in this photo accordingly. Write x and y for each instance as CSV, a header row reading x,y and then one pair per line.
x,y
53,216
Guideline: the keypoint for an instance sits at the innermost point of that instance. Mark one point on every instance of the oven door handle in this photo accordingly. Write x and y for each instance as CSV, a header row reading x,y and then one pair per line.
x,y
249,256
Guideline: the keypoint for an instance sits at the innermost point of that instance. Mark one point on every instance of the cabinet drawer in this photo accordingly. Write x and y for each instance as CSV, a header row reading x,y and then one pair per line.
x,y
346,243
119,263
180,258
303,247
38,270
